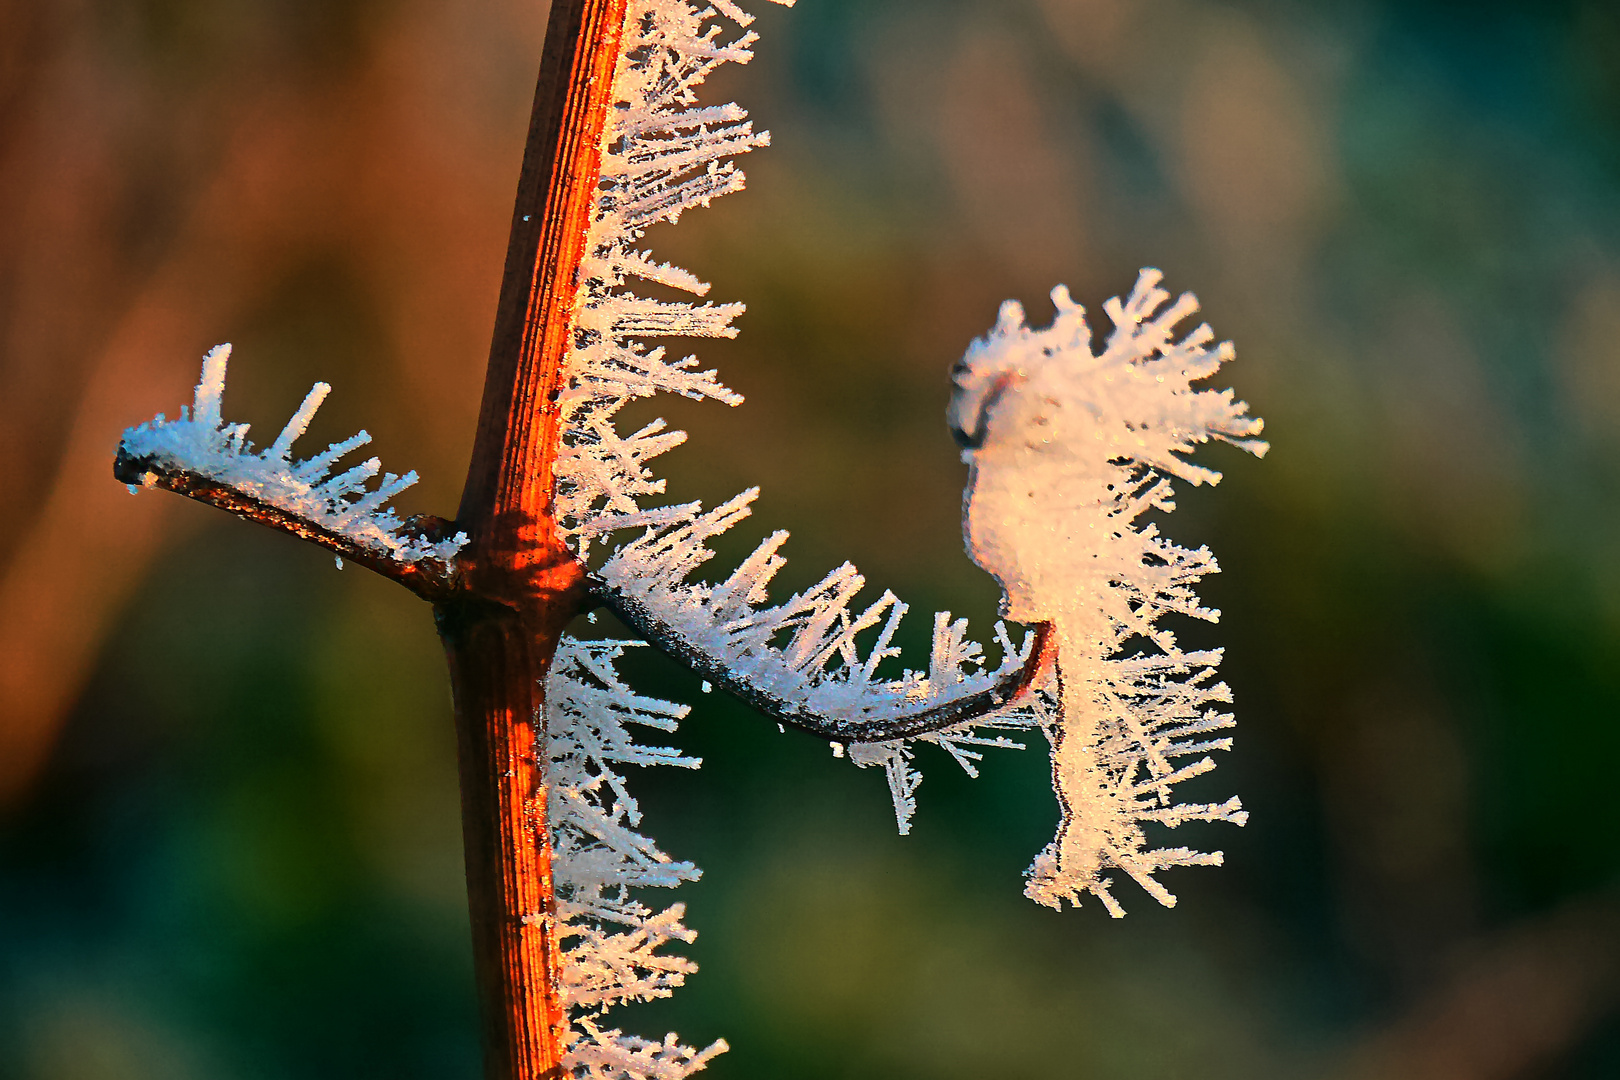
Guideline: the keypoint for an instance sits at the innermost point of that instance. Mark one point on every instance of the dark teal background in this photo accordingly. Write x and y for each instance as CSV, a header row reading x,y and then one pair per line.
x,y
240,858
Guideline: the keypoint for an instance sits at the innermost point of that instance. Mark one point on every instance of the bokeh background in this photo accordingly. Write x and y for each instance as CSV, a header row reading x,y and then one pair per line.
x,y
229,844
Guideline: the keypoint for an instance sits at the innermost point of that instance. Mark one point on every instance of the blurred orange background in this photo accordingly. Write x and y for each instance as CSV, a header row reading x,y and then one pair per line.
x,y
229,843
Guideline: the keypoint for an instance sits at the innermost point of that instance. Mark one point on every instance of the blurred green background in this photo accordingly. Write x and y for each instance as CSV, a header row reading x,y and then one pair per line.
x,y
229,844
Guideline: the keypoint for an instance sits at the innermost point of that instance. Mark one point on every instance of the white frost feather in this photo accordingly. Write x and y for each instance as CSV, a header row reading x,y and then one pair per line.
x,y
661,155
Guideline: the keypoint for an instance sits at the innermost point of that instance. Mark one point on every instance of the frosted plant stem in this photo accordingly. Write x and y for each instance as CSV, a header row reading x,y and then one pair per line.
x,y
522,582
1071,450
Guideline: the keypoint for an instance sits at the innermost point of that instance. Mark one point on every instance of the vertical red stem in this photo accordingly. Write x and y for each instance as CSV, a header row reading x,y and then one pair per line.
x,y
521,583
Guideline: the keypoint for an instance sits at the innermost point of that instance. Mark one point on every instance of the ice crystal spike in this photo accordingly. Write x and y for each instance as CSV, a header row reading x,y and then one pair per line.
x,y
1069,450
201,446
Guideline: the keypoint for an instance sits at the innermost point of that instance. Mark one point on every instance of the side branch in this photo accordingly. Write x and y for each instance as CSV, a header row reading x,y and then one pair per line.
x,y
430,578
881,719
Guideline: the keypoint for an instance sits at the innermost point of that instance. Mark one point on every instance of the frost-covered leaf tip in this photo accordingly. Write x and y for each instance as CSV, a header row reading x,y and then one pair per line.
x,y
1070,449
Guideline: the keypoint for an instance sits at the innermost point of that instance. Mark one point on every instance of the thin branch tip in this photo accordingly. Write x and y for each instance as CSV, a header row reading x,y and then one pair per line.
x,y
429,577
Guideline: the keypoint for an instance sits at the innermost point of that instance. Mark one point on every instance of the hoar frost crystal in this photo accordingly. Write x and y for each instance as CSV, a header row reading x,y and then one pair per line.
x,y
1069,450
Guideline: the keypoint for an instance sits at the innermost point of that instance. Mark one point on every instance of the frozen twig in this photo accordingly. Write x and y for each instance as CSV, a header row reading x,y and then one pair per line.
x,y
202,456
